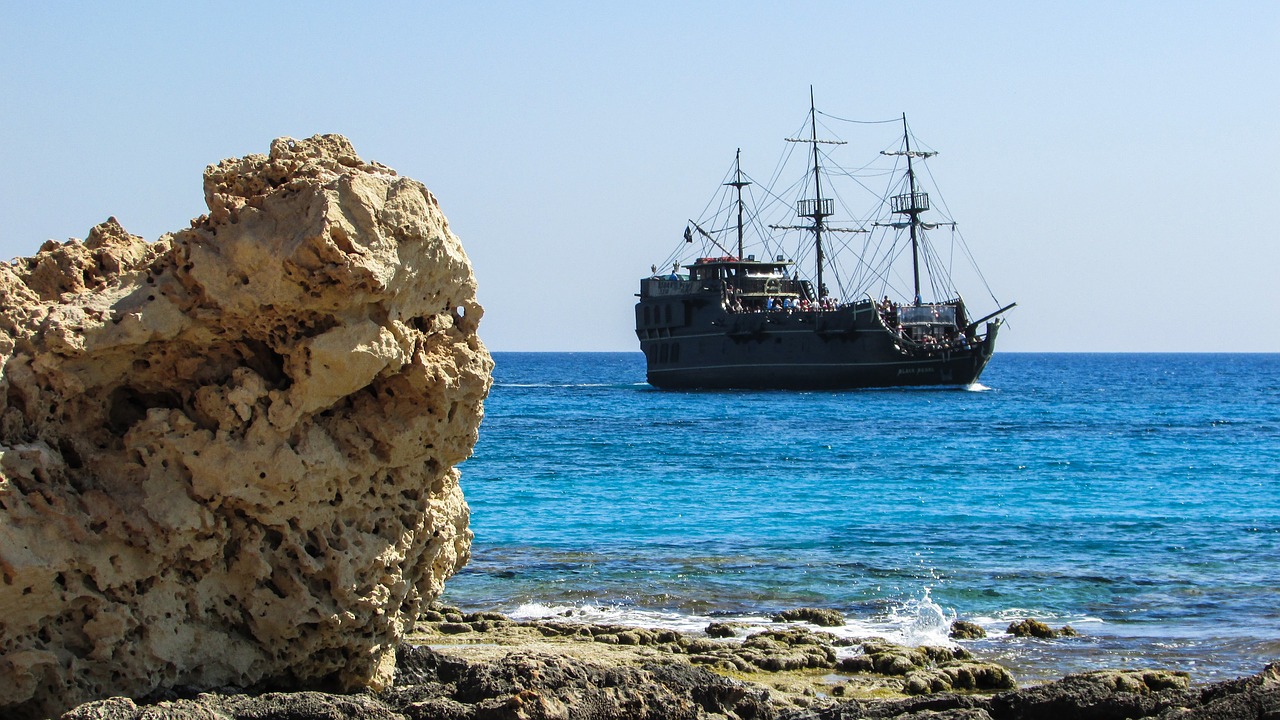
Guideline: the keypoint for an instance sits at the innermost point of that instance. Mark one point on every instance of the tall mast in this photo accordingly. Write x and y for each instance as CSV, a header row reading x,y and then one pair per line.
x,y
818,215
738,183
915,217
817,208
912,203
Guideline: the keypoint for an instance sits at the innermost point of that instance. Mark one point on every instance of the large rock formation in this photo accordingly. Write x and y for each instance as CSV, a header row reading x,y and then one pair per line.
x,y
227,457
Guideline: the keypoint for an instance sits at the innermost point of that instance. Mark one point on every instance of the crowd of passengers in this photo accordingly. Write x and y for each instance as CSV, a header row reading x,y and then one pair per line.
x,y
733,303
948,339
782,304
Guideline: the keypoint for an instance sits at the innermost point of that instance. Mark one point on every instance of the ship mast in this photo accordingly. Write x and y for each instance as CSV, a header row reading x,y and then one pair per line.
x,y
911,203
738,183
820,210
817,208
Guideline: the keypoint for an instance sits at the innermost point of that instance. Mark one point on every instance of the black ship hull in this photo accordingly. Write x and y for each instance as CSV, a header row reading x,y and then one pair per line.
x,y
844,348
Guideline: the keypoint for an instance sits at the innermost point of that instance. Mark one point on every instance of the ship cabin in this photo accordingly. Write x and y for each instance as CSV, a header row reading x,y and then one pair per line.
x,y
931,323
748,285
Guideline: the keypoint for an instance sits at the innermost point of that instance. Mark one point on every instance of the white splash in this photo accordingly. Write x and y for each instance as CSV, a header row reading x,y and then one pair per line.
x,y
923,622
917,621
620,615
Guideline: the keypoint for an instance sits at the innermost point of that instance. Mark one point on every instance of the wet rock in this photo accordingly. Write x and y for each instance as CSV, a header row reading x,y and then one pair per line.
x,y
1251,697
1100,694
485,617
774,651
431,685
965,630
886,658
725,630
531,685
1031,628
821,617
959,676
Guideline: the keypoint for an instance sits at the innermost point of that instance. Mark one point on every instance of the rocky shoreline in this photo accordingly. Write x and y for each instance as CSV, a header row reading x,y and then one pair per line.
x,y
486,666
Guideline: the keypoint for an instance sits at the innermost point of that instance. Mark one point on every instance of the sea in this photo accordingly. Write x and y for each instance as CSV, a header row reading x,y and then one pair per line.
x,y
1134,497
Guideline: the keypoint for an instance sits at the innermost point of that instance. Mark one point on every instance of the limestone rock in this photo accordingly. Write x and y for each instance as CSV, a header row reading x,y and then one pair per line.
x,y
886,658
524,685
959,675
965,630
1037,629
1105,693
227,457
821,617
725,629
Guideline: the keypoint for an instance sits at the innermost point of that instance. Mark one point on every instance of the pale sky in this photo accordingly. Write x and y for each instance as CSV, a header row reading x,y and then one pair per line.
x,y
1113,164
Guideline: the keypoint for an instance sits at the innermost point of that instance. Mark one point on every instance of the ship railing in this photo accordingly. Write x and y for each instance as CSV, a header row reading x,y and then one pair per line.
x,y
878,312
663,287
932,343
927,314
799,306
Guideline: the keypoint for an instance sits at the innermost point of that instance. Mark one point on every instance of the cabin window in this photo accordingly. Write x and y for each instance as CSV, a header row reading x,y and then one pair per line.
x,y
667,314
664,353
675,352
648,315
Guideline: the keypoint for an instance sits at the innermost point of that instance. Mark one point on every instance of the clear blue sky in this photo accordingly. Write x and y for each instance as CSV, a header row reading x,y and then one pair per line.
x,y
1113,163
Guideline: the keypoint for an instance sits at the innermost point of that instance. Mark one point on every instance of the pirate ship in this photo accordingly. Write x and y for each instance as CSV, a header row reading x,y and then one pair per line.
x,y
813,300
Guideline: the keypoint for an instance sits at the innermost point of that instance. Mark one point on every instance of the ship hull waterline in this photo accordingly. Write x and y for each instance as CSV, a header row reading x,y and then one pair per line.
x,y
808,360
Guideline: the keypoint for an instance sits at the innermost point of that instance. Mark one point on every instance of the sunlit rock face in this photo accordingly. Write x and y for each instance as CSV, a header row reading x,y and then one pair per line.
x,y
228,457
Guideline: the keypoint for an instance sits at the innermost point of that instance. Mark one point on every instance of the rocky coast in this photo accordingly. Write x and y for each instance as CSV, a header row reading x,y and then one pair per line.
x,y
486,666
228,490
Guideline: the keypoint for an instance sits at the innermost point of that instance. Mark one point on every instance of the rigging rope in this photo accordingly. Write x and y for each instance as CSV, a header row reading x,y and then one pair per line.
x,y
883,263
859,122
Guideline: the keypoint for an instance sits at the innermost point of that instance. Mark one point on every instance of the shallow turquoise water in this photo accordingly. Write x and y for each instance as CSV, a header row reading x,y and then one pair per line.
x,y
1136,497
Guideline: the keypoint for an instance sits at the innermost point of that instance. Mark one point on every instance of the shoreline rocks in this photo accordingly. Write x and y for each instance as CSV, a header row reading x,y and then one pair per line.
x,y
822,617
501,669
227,457
965,630
1037,629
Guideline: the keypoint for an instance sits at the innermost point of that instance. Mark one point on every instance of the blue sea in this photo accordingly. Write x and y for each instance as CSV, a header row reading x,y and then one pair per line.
x,y
1135,497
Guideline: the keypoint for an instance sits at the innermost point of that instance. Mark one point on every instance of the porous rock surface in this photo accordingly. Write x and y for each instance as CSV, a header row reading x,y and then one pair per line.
x,y
227,457
523,685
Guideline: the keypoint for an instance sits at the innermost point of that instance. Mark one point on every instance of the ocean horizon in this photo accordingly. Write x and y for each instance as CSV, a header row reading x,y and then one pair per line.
x,y
1133,496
